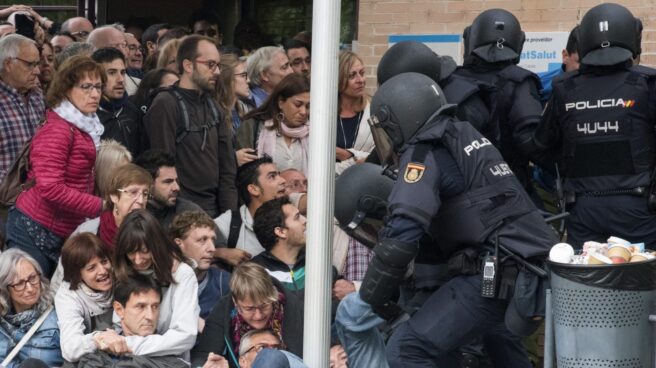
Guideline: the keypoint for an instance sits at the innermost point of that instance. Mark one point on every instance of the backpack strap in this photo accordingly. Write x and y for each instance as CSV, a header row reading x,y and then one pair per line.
x,y
181,131
235,227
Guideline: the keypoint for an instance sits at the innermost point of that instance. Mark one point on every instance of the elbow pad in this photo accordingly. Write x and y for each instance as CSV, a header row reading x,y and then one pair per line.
x,y
386,270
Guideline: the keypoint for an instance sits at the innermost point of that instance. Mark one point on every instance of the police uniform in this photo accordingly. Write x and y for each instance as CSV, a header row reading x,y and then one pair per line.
x,y
454,185
601,124
517,110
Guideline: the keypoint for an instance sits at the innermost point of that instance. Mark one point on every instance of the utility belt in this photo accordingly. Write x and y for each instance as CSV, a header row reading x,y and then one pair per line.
x,y
471,261
642,192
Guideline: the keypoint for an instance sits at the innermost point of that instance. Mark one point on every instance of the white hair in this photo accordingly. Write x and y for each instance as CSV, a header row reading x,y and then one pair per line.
x,y
10,47
9,261
260,61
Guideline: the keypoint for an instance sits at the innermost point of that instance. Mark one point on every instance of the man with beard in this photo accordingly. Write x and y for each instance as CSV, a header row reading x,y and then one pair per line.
x,y
121,118
164,203
185,122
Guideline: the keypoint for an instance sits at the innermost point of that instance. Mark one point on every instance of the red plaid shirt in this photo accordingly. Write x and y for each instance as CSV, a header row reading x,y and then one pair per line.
x,y
19,117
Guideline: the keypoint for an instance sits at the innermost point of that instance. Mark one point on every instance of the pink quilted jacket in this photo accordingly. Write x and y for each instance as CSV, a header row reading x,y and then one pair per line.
x,y
62,160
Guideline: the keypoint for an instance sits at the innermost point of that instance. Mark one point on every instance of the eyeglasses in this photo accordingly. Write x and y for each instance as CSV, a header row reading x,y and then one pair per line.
x,y
134,48
33,279
263,308
31,65
134,193
243,75
88,87
119,45
211,65
81,34
257,348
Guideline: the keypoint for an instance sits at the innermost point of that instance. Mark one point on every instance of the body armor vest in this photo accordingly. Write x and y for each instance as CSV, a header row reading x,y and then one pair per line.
x,y
493,204
607,127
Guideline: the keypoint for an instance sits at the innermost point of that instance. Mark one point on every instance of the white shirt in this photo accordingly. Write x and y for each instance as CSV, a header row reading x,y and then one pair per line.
x,y
247,240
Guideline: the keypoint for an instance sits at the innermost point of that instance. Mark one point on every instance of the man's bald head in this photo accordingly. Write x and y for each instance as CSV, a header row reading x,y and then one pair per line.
x,y
108,36
79,27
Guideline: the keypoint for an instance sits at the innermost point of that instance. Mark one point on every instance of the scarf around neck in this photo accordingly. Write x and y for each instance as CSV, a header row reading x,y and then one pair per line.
x,y
266,142
22,321
89,124
240,327
102,299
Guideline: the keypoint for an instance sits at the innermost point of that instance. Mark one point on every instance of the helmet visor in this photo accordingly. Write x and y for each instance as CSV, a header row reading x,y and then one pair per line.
x,y
364,229
382,140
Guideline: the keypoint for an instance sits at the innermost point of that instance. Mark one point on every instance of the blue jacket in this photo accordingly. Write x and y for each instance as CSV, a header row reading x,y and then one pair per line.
x,y
43,345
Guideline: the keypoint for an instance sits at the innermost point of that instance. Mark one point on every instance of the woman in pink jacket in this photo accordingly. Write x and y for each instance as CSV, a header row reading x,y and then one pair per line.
x,y
62,158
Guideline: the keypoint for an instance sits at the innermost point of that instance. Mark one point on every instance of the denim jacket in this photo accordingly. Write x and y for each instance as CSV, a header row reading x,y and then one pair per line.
x,y
43,345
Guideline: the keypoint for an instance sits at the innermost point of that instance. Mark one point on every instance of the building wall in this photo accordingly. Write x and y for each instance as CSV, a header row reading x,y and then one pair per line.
x,y
377,19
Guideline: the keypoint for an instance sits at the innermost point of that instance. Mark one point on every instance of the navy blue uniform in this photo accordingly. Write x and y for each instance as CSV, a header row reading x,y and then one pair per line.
x,y
600,125
454,186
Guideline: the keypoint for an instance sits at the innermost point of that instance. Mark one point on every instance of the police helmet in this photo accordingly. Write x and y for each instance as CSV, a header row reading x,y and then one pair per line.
x,y
413,56
361,193
495,35
399,108
608,34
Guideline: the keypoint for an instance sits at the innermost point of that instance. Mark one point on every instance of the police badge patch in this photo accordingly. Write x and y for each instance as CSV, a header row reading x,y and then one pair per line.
x,y
413,172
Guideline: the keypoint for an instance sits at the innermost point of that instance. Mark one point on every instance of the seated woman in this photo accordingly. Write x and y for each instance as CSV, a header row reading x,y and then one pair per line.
x,y
143,247
256,301
128,191
84,300
24,297
59,189
280,127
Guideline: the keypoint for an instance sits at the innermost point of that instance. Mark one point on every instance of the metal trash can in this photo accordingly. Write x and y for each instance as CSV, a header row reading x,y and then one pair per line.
x,y
601,314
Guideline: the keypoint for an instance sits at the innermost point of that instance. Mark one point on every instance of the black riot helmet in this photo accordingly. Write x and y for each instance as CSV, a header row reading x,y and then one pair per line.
x,y
495,35
361,193
399,108
608,34
413,56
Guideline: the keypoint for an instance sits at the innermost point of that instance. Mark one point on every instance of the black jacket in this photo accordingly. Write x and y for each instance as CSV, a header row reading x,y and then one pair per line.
x,y
123,123
217,329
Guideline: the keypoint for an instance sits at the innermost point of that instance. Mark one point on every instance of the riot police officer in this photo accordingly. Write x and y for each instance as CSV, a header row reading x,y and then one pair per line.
x,y
493,45
454,186
600,124
475,98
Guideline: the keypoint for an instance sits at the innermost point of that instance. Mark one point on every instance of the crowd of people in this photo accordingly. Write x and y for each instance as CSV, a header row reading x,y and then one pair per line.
x,y
152,154
161,214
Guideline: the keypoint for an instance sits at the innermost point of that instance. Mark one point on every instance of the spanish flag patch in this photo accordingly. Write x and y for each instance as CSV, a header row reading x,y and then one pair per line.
x,y
413,172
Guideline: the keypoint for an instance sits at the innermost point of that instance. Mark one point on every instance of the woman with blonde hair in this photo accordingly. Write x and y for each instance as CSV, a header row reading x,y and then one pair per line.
x,y
168,55
111,155
354,139
232,94
256,301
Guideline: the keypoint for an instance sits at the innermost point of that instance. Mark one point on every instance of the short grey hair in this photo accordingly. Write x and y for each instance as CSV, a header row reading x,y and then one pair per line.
x,y
75,48
260,61
9,261
10,47
96,34
245,343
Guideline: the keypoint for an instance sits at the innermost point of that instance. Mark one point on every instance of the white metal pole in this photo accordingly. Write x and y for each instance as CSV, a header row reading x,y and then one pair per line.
x,y
321,179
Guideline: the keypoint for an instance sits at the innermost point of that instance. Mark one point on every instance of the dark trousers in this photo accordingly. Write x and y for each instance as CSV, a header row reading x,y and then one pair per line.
x,y
456,315
34,239
598,218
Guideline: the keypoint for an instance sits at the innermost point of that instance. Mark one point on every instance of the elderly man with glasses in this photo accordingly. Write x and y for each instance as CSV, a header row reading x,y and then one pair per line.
x,y
112,36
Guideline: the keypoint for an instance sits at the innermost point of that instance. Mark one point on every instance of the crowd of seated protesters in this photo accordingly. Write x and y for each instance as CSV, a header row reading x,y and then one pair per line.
x,y
117,248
